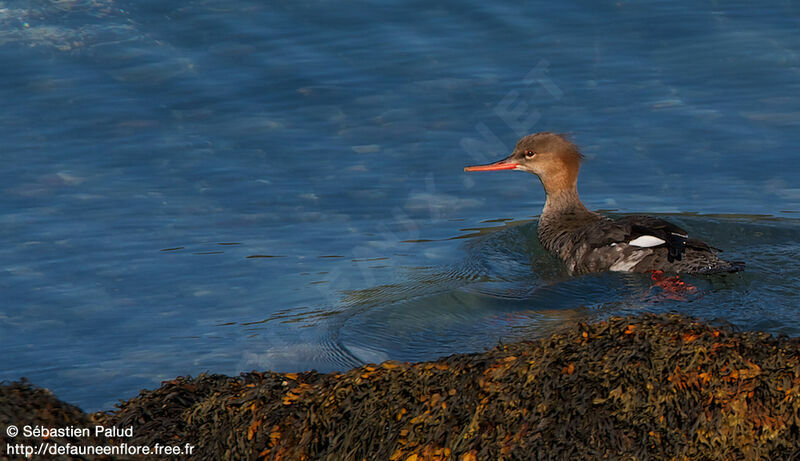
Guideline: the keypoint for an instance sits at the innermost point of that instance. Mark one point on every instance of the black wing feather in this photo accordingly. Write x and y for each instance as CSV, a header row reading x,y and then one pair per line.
x,y
631,227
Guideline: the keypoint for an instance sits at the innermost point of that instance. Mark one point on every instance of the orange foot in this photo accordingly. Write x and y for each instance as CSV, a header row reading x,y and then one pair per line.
x,y
672,287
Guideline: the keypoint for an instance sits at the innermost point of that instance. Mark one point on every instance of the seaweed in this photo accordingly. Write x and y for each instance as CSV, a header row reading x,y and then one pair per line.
x,y
646,387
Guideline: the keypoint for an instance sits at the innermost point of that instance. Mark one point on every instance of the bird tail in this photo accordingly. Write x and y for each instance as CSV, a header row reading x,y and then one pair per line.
x,y
724,267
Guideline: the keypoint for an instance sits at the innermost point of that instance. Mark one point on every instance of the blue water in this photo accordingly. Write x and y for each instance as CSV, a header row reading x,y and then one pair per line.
x,y
233,185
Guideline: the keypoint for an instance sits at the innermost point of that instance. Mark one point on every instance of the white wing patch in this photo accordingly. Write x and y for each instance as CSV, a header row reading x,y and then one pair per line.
x,y
646,241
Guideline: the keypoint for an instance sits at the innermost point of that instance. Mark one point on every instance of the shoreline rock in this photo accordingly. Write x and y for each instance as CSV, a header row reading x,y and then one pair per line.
x,y
645,387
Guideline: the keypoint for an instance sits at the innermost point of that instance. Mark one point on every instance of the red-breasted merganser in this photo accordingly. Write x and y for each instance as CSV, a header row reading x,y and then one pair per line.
x,y
589,242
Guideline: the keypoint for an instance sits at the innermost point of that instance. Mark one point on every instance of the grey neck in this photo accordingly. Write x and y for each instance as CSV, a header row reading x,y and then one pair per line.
x,y
563,213
563,202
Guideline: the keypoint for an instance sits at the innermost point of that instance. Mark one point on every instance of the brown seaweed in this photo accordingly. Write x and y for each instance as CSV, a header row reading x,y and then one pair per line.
x,y
646,387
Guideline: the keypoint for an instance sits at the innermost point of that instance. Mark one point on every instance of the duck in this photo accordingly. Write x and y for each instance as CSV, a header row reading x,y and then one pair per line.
x,y
589,242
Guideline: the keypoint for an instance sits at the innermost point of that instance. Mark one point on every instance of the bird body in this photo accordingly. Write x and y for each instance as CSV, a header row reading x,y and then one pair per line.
x,y
590,242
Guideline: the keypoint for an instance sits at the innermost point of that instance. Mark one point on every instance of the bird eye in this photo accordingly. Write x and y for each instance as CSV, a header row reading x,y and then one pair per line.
x,y
529,154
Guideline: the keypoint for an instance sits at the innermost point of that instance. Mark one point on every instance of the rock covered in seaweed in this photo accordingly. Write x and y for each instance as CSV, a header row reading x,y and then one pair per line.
x,y
647,387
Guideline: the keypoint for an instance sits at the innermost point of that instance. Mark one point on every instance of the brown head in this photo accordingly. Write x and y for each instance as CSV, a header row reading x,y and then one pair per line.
x,y
550,156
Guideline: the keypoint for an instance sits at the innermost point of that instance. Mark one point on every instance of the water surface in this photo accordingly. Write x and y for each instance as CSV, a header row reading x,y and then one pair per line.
x,y
226,186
